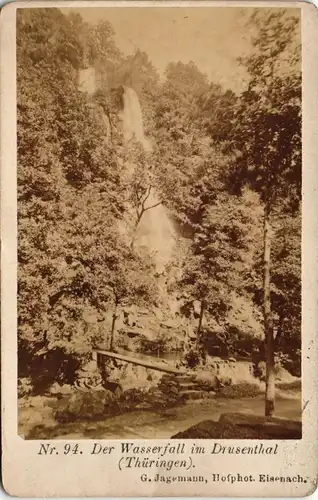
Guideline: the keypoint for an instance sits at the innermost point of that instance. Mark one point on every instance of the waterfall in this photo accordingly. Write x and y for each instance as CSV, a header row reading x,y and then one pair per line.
x,y
132,119
155,231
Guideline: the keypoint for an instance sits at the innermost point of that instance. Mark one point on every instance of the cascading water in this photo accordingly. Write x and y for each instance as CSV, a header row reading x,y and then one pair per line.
x,y
132,119
155,231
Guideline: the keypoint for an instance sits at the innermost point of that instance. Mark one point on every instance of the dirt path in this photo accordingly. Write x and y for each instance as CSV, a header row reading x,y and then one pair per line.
x,y
164,424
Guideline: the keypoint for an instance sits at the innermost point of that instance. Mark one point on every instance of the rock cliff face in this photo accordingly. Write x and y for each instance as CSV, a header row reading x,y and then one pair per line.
x,y
148,331
160,327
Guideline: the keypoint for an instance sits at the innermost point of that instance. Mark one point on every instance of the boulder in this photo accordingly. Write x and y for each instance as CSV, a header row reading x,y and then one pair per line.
x,y
61,389
267,427
86,406
209,429
240,426
207,380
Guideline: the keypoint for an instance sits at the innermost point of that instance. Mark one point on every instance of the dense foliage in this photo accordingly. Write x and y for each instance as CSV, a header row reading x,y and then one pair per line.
x,y
221,164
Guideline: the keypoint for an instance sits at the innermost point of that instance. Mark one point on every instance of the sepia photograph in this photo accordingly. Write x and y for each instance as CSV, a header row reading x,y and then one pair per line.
x,y
159,190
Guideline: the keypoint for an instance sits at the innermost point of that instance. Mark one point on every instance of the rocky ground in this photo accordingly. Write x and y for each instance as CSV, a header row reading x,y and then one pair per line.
x,y
134,416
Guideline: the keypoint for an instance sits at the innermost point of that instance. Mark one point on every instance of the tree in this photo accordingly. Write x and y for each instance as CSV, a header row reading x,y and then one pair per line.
x,y
221,254
219,163
186,79
101,52
74,260
105,268
264,128
140,188
286,290
175,110
191,175
47,50
59,154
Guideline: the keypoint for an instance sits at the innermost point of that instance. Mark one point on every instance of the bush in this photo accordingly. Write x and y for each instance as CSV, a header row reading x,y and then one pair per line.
x,y
289,386
51,366
193,357
243,390
133,396
292,362
25,387
232,342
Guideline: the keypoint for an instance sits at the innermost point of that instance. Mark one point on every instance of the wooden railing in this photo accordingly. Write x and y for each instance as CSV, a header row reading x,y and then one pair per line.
x,y
147,363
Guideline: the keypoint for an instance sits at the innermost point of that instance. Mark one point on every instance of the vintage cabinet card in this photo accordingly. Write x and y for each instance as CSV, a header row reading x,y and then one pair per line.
x,y
159,248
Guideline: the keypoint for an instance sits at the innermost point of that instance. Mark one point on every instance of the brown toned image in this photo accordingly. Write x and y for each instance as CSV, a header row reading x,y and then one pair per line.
x,y
159,167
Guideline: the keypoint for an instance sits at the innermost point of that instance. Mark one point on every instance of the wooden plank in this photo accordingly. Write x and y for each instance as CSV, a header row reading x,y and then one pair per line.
x,y
153,365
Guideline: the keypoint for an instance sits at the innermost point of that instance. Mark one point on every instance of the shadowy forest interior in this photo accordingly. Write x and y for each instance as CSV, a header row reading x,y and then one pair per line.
x,y
159,227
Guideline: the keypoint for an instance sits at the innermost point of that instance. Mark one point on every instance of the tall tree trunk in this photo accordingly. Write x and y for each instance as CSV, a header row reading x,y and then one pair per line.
x,y
200,325
112,331
268,321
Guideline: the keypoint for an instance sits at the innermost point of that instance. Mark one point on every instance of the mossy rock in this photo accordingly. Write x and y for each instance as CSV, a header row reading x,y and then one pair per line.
x,y
86,406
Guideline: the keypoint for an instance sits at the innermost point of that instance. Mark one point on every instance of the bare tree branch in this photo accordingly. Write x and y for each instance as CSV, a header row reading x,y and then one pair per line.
x,y
140,211
153,206
146,197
